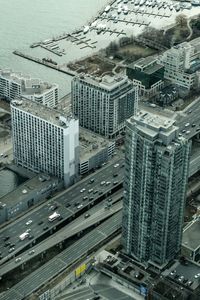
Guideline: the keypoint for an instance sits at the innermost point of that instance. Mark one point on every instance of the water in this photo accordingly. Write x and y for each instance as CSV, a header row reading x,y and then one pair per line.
x,y
23,22
9,181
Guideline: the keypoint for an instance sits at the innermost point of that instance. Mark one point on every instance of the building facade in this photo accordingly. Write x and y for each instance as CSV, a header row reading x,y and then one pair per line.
x,y
102,105
45,140
156,172
27,195
147,74
182,64
15,85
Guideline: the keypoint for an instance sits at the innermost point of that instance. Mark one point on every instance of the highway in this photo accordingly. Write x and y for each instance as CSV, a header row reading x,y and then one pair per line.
x,y
66,205
97,214
62,261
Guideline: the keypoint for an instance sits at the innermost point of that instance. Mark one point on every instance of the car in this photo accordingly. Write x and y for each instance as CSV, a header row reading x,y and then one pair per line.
x,y
29,222
110,200
108,182
91,180
82,190
189,112
190,282
173,272
67,205
115,182
115,175
188,131
116,165
90,190
91,198
53,207
31,252
28,230
103,182
122,165
6,238
45,228
7,244
85,198
181,278
11,249
193,125
12,245
40,223
80,206
87,216
183,131
18,259
76,203
197,275
100,192
95,192
30,237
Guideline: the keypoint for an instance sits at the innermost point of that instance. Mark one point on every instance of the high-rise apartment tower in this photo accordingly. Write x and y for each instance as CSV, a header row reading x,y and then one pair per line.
x,y
45,140
156,172
103,104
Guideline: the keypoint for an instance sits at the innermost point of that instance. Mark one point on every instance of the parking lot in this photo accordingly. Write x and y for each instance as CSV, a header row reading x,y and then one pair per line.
x,y
187,275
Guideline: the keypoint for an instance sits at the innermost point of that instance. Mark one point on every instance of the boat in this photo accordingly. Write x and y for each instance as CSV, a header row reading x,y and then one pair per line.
x,y
86,29
49,60
107,9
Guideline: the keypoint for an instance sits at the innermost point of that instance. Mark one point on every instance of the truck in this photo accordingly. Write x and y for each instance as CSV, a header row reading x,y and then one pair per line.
x,y
53,217
24,235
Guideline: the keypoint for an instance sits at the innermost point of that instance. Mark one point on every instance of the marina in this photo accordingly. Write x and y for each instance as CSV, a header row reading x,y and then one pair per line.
x,y
118,18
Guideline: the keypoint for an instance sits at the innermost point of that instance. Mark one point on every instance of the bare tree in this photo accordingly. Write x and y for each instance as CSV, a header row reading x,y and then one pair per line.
x,y
181,20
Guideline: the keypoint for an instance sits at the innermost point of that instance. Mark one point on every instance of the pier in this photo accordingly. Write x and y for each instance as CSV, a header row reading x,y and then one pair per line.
x,y
44,63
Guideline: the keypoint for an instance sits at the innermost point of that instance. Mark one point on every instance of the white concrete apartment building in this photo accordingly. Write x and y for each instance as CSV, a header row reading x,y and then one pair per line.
x,y
103,104
45,140
182,63
15,85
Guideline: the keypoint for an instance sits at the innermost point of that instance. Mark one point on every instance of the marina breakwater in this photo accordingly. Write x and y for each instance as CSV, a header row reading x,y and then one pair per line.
x,y
44,63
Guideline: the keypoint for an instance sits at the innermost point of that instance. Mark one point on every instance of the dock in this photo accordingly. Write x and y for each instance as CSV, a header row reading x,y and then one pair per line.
x,y
44,63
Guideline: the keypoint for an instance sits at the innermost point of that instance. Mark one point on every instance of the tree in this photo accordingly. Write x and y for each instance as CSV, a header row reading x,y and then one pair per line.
x,y
181,20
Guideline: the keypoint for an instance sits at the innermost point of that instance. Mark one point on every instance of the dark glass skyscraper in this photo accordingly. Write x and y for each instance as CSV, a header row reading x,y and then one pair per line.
x,y
156,172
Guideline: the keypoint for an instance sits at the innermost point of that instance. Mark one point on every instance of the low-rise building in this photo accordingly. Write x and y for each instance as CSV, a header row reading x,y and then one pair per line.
x,y
94,150
27,195
147,74
14,85
191,241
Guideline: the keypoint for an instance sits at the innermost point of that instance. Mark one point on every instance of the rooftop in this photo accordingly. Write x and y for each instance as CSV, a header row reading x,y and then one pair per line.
x,y
191,236
29,85
40,111
106,82
36,183
90,143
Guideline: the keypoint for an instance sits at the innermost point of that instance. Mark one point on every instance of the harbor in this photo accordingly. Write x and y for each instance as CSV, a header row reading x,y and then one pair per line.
x,y
119,18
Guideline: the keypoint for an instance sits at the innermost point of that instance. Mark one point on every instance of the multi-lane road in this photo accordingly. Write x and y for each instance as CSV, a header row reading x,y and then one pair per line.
x,y
69,204
95,215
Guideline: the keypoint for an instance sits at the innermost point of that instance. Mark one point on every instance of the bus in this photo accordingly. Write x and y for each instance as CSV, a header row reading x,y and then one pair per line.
x,y
24,235
54,216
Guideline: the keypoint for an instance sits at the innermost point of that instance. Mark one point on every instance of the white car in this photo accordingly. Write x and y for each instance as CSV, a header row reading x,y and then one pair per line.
x,y
116,165
103,182
17,259
83,190
29,222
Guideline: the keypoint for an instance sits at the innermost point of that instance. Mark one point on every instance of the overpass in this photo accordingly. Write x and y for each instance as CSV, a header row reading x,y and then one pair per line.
x,y
97,215
61,262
